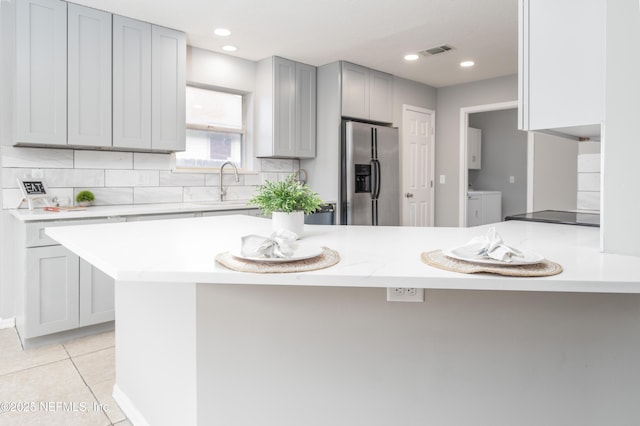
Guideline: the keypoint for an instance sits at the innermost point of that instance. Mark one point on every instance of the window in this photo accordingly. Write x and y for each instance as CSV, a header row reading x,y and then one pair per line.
x,y
215,129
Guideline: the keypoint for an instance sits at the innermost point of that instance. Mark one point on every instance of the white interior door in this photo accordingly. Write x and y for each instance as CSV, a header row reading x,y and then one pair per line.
x,y
417,166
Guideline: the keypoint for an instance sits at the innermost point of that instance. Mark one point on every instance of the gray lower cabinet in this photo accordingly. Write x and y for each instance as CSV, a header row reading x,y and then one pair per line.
x,y
64,292
96,295
51,291
57,290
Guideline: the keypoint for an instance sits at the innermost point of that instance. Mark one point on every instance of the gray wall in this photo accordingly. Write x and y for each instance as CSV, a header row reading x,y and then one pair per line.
x,y
324,170
450,100
407,92
555,172
504,154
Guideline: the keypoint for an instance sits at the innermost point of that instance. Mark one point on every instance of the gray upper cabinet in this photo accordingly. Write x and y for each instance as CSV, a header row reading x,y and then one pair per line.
x,y
305,146
89,81
41,72
286,109
561,64
149,83
366,94
131,83
168,89
87,78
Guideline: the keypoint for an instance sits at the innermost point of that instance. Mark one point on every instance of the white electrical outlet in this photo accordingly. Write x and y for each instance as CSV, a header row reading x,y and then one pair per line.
x,y
405,294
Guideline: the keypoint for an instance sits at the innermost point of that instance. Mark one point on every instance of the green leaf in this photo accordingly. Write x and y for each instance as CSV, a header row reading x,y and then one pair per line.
x,y
286,196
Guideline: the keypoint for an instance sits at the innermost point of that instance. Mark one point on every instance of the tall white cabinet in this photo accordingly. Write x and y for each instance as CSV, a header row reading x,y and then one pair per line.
x,y
286,108
41,71
89,76
474,148
561,63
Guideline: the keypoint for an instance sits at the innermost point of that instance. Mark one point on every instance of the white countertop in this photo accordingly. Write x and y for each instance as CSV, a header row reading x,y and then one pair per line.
x,y
39,214
183,250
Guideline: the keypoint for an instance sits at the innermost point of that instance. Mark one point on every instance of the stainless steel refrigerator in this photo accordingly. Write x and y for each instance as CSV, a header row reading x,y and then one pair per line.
x,y
370,175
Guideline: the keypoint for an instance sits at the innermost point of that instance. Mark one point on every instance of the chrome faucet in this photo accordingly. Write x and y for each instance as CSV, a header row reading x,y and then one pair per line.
x,y
223,191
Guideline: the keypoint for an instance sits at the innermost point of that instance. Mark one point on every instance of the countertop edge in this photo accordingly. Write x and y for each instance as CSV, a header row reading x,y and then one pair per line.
x,y
40,215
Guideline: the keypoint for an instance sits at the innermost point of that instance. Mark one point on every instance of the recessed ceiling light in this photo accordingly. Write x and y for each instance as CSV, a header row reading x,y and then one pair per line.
x,y
222,32
411,57
229,48
467,64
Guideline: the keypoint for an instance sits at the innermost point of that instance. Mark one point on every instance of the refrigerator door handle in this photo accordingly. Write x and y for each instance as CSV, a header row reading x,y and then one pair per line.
x,y
377,179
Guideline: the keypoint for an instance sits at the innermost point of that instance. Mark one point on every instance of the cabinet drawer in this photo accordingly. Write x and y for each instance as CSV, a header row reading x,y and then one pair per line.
x,y
160,216
36,236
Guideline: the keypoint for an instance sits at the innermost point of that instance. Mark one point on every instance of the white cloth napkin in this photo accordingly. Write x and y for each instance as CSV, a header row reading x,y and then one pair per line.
x,y
281,244
489,246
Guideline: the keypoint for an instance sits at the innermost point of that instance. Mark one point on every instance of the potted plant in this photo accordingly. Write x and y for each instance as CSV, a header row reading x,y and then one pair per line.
x,y
85,198
287,201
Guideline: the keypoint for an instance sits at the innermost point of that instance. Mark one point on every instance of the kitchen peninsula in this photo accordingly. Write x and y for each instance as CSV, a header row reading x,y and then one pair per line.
x,y
197,343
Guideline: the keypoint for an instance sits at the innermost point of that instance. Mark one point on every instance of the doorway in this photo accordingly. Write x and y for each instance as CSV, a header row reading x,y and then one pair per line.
x,y
463,168
417,157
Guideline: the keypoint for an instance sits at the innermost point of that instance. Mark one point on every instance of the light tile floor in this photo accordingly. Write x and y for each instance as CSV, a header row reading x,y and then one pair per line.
x,y
67,384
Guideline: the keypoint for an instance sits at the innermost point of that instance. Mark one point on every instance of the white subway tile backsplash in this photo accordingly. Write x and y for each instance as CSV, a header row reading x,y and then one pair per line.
x,y
132,178
10,176
64,196
121,178
589,182
277,165
589,163
227,180
168,178
157,195
145,161
73,178
240,193
271,177
588,200
110,196
11,198
201,193
103,160
36,157
252,179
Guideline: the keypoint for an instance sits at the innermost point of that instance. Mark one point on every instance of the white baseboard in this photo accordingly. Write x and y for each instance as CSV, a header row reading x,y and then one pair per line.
x,y
7,322
135,417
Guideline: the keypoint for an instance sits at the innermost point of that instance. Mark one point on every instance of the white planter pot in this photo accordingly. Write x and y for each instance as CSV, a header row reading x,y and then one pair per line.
x,y
293,222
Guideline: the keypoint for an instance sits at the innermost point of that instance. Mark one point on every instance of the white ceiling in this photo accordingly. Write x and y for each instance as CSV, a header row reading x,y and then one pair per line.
x,y
373,33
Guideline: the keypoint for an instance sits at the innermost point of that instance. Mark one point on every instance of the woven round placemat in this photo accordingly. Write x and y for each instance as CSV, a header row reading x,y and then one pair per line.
x,y
326,259
437,259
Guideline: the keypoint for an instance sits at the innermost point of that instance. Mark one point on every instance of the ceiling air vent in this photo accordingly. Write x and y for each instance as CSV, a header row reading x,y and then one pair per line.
x,y
437,50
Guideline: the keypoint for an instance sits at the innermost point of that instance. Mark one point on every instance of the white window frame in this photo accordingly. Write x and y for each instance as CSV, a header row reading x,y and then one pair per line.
x,y
245,148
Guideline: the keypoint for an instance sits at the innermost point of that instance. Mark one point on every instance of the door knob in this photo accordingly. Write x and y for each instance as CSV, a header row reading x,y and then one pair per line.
x,y
408,195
